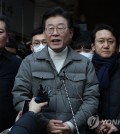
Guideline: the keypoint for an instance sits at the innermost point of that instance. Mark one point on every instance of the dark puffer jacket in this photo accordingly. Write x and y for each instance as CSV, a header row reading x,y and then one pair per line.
x,y
9,65
109,100
28,124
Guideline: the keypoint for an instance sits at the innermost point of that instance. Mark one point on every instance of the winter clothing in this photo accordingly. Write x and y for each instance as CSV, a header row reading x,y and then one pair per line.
x,y
28,124
103,67
109,106
77,76
9,65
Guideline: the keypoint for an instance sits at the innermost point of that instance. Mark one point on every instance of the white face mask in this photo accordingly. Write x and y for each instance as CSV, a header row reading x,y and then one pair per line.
x,y
88,55
38,48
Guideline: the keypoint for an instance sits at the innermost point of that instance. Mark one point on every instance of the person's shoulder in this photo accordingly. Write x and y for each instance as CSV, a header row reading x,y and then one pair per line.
x,y
16,61
82,56
74,53
31,57
13,58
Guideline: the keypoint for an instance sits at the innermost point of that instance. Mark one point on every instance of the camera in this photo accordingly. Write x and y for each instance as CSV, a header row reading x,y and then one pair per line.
x,y
42,95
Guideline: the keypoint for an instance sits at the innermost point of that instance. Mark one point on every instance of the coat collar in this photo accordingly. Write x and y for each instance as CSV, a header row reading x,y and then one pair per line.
x,y
72,55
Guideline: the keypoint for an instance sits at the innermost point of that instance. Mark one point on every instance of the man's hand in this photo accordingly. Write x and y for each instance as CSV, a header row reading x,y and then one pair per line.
x,y
112,128
58,127
54,126
66,129
107,127
36,107
18,116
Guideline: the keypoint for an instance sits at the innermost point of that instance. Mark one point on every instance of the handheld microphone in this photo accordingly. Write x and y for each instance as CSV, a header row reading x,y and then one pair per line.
x,y
42,95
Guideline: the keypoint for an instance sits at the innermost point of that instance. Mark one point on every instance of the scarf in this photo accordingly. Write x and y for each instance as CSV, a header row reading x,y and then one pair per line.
x,y
104,67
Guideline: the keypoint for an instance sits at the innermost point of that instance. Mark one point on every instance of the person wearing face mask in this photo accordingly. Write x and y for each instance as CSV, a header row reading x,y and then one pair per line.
x,y
83,45
87,54
38,41
38,47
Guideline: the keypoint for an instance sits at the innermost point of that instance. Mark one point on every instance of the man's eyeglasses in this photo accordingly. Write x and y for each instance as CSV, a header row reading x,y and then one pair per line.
x,y
61,29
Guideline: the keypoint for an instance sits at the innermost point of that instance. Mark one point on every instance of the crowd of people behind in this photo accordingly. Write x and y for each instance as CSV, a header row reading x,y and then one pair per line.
x,y
79,70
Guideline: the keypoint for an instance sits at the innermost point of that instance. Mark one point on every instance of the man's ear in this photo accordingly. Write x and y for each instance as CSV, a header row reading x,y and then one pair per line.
x,y
71,33
93,47
44,33
31,48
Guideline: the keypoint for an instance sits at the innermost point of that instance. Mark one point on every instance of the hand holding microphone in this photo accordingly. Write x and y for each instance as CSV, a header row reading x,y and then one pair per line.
x,y
36,107
42,95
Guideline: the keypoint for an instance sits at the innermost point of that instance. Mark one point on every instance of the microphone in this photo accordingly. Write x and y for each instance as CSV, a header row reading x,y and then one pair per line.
x,y
42,95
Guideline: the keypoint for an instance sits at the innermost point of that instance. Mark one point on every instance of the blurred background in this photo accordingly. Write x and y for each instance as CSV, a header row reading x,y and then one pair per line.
x,y
26,15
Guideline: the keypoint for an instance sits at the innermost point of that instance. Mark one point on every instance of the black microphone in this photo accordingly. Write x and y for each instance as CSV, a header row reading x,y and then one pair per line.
x,y
42,95
62,77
